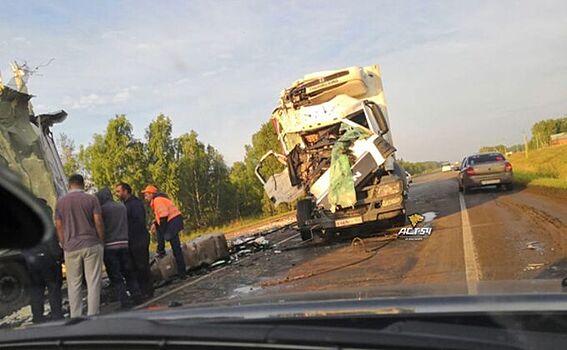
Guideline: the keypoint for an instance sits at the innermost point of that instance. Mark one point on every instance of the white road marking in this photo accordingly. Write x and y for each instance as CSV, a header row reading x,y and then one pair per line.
x,y
472,270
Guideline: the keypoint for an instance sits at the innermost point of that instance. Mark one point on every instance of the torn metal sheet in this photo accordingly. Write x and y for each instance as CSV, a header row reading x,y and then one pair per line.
x,y
23,148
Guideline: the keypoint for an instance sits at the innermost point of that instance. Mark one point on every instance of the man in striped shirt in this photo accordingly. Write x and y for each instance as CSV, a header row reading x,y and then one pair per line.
x,y
116,256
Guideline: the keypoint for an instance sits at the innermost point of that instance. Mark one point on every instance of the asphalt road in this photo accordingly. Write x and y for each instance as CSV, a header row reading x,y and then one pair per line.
x,y
487,241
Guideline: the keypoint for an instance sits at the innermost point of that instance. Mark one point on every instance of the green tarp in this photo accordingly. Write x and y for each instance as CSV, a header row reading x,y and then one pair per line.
x,y
20,147
342,192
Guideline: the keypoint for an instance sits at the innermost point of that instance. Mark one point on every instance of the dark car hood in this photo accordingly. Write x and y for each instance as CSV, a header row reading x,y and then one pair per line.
x,y
494,296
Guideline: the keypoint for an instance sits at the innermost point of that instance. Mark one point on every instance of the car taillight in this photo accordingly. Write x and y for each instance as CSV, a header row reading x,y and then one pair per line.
x,y
470,171
508,166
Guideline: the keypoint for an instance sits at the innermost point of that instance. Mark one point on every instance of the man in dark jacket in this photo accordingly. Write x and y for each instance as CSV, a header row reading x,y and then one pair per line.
x,y
138,238
44,266
116,256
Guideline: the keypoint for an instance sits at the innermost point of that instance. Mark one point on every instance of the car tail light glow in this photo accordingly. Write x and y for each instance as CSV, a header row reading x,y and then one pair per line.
x,y
508,166
470,170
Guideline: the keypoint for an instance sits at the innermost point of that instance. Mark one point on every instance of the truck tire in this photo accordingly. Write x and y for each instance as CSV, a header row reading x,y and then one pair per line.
x,y
303,213
14,284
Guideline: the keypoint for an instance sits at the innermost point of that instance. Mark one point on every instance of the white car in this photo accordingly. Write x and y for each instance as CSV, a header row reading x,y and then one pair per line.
x,y
446,167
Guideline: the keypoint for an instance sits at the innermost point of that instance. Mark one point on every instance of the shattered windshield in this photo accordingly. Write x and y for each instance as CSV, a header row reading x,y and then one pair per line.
x,y
248,153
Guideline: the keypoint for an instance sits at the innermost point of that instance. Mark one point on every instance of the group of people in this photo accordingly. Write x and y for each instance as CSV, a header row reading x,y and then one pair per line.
x,y
93,231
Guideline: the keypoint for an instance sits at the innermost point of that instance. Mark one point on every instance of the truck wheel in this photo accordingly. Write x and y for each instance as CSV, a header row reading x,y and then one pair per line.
x,y
14,282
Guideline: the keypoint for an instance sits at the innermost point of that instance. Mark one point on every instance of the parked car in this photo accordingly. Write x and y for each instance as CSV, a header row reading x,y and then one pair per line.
x,y
485,169
446,167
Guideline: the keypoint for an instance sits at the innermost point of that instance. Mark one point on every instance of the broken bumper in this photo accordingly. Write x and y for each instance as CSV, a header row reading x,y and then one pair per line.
x,y
394,207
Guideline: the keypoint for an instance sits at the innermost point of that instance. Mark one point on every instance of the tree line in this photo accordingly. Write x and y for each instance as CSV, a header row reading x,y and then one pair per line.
x,y
417,168
194,174
541,136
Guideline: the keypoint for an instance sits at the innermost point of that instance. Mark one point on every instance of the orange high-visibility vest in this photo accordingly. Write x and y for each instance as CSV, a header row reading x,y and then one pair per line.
x,y
163,206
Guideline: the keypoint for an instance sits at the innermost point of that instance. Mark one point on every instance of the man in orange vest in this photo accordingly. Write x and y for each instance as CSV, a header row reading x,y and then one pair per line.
x,y
169,223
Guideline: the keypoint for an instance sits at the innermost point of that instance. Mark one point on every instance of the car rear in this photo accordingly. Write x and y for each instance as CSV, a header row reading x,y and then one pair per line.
x,y
488,169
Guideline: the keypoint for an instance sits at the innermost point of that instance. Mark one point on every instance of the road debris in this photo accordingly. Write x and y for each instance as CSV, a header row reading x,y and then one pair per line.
x,y
534,266
535,245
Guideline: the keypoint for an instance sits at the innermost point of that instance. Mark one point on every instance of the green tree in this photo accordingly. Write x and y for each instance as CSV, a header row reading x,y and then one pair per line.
x,y
115,156
205,192
263,141
160,150
542,130
68,154
498,148
193,165
247,192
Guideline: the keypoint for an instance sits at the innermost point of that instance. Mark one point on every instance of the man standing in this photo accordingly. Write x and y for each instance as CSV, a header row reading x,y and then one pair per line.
x,y
138,238
169,223
116,257
44,266
80,229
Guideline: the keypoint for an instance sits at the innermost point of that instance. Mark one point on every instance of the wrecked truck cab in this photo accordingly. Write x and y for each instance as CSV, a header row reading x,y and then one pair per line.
x,y
338,152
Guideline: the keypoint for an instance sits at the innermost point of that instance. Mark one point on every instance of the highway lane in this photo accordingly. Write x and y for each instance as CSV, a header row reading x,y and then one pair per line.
x,y
480,242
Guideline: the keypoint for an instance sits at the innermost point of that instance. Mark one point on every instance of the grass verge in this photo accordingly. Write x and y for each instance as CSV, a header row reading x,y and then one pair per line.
x,y
546,168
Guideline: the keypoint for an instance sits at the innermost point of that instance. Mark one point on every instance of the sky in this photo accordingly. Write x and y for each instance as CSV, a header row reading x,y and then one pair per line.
x,y
457,75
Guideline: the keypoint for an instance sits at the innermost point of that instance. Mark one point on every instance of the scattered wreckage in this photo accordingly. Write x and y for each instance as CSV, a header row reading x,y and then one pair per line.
x,y
338,153
210,251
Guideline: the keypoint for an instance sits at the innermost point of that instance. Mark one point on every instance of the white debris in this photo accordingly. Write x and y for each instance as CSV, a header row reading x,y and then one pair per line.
x,y
532,267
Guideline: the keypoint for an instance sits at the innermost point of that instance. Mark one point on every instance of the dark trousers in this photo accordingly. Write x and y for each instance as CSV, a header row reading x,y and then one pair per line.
x,y
45,272
117,266
175,244
140,267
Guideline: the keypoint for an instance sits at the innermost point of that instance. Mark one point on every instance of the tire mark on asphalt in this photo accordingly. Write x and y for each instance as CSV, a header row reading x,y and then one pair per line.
x,y
472,271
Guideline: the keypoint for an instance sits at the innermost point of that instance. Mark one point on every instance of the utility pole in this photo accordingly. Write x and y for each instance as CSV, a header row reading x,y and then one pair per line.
x,y
526,145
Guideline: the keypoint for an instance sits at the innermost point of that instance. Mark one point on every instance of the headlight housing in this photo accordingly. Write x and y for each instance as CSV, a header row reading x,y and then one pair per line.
x,y
389,188
391,201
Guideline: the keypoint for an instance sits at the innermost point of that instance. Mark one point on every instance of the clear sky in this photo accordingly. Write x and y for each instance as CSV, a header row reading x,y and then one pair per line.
x,y
457,75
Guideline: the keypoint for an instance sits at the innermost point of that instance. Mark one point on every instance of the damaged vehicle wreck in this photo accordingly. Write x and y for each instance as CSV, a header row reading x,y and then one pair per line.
x,y
338,153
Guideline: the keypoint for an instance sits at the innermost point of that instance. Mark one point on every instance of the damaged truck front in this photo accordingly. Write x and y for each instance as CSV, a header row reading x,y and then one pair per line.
x,y
338,153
